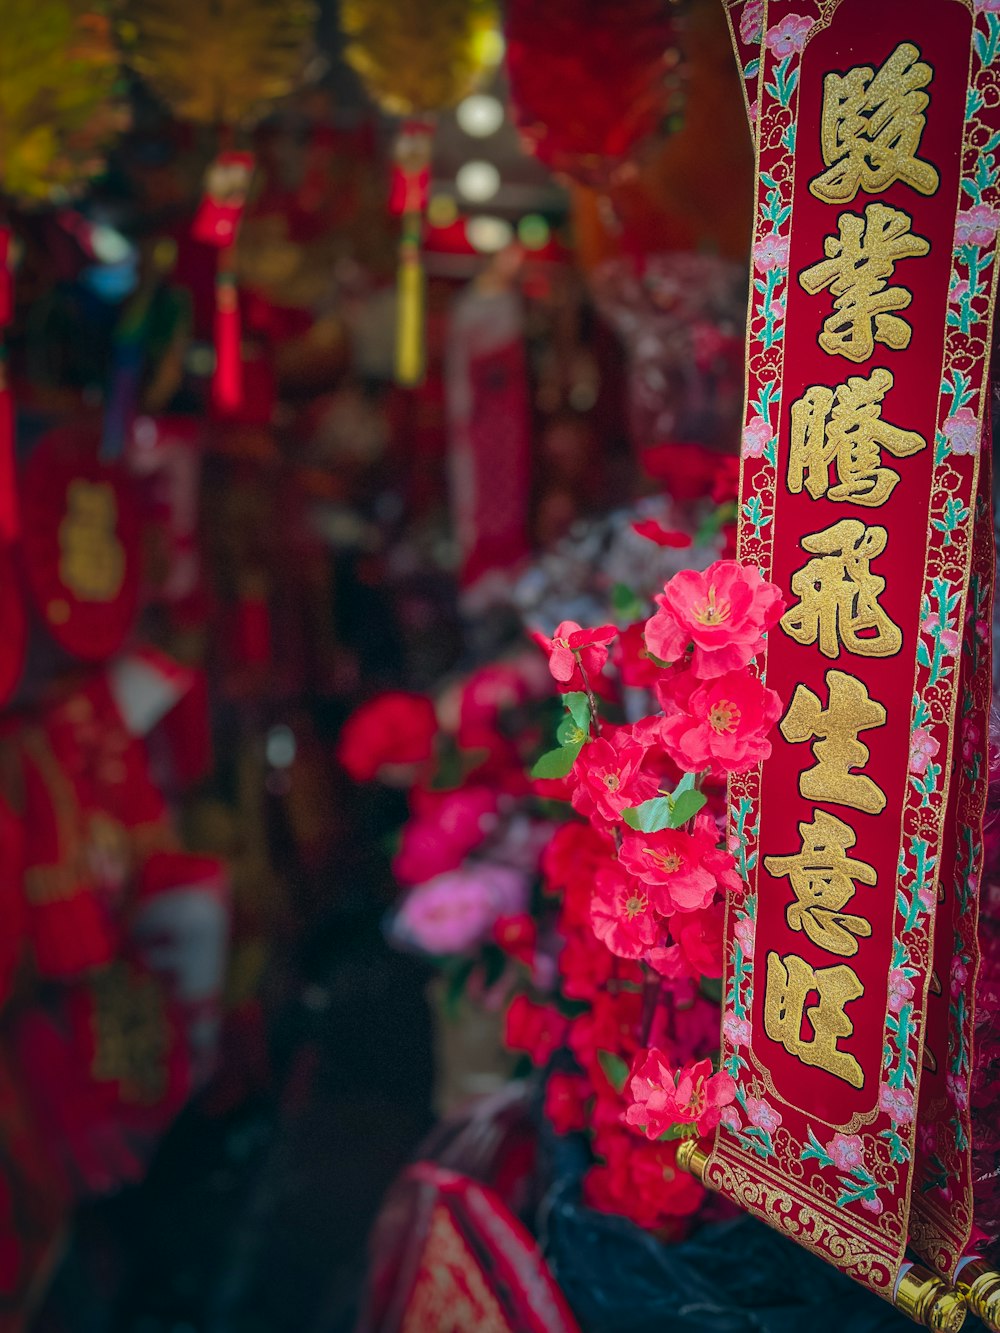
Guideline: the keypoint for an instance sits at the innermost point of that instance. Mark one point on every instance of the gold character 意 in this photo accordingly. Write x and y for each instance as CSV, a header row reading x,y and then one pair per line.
x,y
837,750
824,879
843,428
838,594
859,261
871,126
790,981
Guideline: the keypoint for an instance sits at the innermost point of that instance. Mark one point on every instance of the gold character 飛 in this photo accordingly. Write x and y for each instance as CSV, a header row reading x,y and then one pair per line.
x,y
843,427
836,747
790,981
859,261
871,127
838,594
824,880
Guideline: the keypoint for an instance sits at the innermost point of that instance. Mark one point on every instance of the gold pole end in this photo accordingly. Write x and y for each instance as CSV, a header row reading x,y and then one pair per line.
x,y
693,1158
981,1288
928,1300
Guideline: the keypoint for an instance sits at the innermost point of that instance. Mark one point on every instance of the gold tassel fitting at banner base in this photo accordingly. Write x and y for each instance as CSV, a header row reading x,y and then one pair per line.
x,y
928,1300
981,1288
693,1158
410,320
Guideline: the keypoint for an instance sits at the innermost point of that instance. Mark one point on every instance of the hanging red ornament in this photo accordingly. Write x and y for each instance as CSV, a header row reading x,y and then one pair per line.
x,y
590,82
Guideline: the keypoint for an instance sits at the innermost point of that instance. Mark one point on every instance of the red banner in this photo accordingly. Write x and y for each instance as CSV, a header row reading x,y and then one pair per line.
x,y
878,130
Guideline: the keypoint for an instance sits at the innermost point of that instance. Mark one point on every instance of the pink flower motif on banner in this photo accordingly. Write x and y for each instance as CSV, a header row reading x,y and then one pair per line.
x,y
901,989
958,289
961,430
762,1114
743,930
731,1119
948,639
977,225
873,1205
923,748
958,1089
738,1030
847,1151
970,738
757,435
770,252
897,1103
754,111
789,36
987,6
752,22
959,974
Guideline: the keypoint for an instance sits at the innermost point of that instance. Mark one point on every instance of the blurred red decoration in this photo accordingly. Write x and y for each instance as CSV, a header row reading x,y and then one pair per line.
x,y
590,82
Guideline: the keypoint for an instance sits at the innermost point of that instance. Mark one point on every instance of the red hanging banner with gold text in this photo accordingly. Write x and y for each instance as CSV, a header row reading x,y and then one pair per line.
x,y
877,212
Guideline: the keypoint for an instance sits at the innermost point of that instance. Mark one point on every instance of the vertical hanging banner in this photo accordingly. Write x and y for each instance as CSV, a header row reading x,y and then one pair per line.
x,y
851,957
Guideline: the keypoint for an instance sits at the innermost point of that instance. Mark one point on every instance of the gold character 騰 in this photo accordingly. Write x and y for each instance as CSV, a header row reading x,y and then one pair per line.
x,y
838,594
790,981
859,261
871,127
822,877
836,747
843,428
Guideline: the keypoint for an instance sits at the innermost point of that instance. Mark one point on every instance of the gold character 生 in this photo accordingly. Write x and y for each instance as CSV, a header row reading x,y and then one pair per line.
x,y
838,594
837,750
790,981
871,126
824,880
859,261
843,428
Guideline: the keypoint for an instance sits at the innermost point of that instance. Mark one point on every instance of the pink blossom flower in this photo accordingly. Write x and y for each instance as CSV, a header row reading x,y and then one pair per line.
x,y
897,1103
959,974
982,630
789,36
958,289
927,1136
847,1151
977,225
961,430
455,911
970,738
901,989
987,6
738,1030
948,639
757,435
873,1205
762,1114
754,110
923,748
663,1097
770,252
958,1089
721,724
571,644
751,22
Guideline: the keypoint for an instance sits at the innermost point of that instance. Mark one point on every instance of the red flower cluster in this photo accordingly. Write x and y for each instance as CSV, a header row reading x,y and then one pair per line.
x,y
393,729
641,883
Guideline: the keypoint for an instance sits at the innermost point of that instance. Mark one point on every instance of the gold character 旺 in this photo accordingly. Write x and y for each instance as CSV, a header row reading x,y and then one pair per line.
x,y
837,749
842,427
824,880
790,981
859,261
838,594
871,126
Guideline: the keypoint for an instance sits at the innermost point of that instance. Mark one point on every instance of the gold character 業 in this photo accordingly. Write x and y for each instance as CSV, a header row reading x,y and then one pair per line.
x,y
837,750
859,261
838,594
790,981
824,879
843,428
871,126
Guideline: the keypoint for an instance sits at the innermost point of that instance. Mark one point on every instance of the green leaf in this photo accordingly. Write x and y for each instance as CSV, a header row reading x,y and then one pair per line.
x,y
579,708
615,1069
682,1131
569,733
625,602
556,763
686,784
685,807
651,816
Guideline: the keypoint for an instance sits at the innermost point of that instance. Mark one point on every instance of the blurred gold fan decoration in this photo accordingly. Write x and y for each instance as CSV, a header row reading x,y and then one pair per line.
x,y
416,58
59,109
219,62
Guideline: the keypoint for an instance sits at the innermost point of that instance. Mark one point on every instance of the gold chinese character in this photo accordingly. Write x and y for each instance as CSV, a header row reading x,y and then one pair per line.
x,y
838,594
823,877
92,561
790,980
844,427
871,127
837,750
858,262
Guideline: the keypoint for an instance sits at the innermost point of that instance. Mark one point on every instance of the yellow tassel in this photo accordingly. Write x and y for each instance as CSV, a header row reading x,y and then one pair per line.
x,y
410,289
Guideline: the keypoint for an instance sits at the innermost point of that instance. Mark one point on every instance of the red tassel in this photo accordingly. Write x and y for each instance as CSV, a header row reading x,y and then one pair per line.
x,y
227,381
